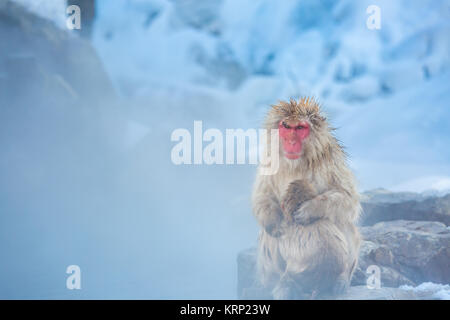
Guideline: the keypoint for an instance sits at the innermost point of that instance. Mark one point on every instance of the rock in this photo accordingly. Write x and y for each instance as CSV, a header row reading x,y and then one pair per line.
x,y
429,290
386,196
384,293
249,289
53,66
382,205
375,254
408,252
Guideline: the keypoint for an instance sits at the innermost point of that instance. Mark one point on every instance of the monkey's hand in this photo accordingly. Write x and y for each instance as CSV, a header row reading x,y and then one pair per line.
x,y
278,228
333,205
270,216
308,213
298,192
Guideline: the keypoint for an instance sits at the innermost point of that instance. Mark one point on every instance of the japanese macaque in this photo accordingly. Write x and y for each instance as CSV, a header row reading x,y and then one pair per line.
x,y
308,244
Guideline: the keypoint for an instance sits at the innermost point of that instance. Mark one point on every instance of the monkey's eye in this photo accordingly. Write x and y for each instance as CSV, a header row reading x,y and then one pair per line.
x,y
285,125
299,127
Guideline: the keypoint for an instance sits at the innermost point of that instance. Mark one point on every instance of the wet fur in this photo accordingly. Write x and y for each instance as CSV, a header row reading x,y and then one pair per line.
x,y
310,248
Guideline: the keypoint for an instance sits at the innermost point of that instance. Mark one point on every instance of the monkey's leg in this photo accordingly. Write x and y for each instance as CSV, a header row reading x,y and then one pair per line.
x,y
270,264
287,288
318,257
353,241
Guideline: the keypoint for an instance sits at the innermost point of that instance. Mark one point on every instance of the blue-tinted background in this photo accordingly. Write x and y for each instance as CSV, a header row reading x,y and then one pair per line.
x,y
95,186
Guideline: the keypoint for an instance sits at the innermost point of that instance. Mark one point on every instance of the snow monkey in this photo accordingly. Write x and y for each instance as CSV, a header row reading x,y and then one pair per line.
x,y
308,245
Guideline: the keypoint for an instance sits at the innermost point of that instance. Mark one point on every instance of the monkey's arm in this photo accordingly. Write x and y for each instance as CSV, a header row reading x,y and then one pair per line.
x,y
297,193
337,205
266,208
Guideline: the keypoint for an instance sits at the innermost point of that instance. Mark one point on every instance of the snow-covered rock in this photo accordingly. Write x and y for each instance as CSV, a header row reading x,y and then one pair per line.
x,y
312,42
383,293
48,62
382,205
408,253
249,289
386,90
223,62
416,251
54,10
430,290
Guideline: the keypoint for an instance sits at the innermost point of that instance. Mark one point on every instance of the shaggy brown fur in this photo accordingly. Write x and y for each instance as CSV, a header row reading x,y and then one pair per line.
x,y
311,247
297,193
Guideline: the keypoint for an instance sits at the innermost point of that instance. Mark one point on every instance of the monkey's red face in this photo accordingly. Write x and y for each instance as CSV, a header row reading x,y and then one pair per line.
x,y
292,134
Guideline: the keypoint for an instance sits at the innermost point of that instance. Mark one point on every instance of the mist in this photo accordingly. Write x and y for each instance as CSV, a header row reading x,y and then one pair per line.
x,y
86,176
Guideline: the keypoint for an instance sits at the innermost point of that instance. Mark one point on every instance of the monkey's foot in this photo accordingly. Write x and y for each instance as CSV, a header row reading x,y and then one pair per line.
x,y
283,293
340,287
289,289
314,295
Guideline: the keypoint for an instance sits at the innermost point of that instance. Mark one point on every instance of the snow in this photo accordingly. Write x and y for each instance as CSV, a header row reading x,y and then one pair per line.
x,y
165,230
430,290
225,62
54,10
